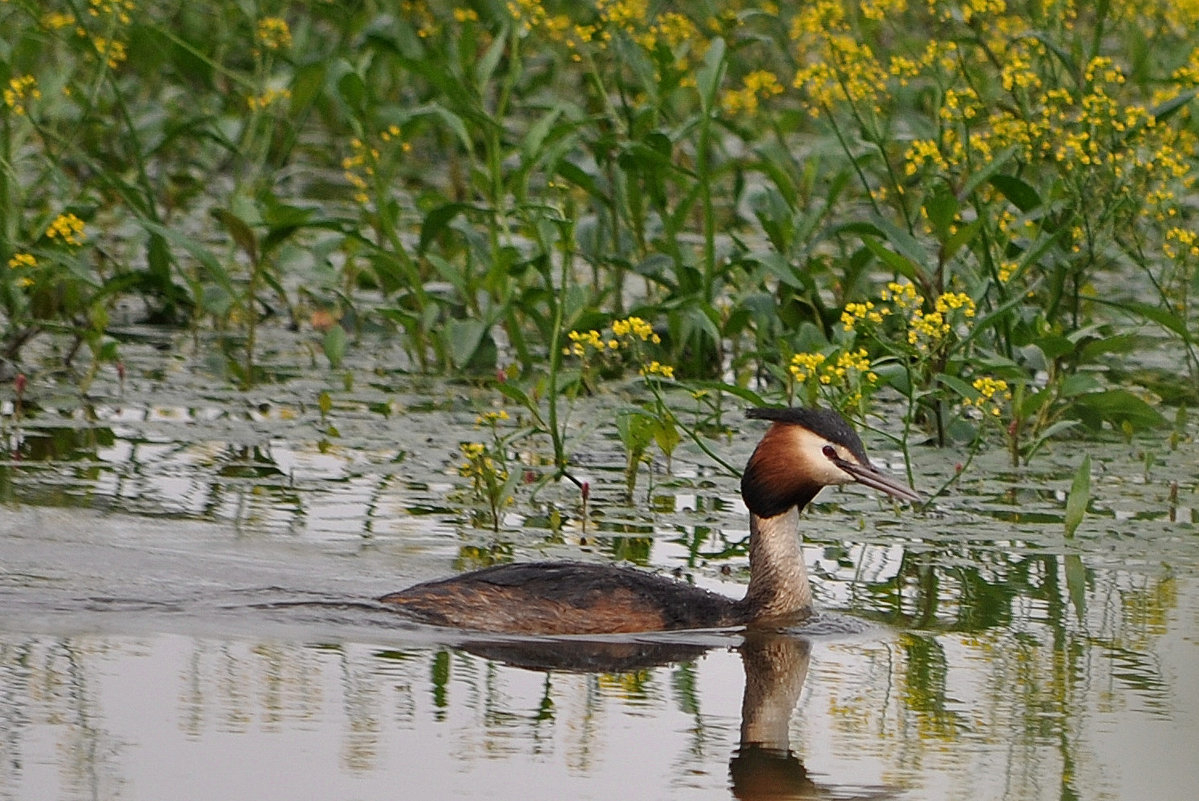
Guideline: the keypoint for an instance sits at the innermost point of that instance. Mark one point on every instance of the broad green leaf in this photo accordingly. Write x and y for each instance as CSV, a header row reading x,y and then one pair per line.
x,y
241,232
1020,194
335,345
1080,496
710,74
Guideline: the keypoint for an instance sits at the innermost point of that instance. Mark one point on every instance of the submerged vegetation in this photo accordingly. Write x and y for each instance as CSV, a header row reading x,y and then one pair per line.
x,y
975,211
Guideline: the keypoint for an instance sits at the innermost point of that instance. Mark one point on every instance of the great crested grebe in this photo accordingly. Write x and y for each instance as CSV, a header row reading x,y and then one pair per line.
x,y
804,451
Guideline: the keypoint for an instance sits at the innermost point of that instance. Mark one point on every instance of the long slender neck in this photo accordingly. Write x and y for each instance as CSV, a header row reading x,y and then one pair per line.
x,y
778,577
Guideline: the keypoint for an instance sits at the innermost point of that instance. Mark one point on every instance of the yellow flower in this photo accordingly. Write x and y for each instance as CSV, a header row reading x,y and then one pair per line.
x,y
656,368
268,97
992,394
273,33
20,90
112,51
472,450
56,20
636,327
67,227
491,418
804,365
20,260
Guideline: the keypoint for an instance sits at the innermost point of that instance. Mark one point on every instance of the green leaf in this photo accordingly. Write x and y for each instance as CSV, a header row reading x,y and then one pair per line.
x,y
335,345
241,232
1019,193
900,264
710,74
1115,406
307,85
352,90
666,435
463,338
1163,317
942,208
536,136
1080,496
962,236
437,220
485,68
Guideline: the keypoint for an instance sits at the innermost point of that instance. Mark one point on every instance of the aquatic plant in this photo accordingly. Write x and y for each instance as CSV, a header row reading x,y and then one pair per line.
x,y
978,211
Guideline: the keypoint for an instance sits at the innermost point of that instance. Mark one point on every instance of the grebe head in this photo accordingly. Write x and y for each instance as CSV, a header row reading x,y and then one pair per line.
x,y
803,452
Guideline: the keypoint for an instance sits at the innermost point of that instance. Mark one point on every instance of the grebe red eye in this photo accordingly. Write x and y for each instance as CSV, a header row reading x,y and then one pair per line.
x,y
829,452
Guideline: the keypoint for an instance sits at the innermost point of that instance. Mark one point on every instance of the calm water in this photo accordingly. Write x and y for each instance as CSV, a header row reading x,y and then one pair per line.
x,y
186,575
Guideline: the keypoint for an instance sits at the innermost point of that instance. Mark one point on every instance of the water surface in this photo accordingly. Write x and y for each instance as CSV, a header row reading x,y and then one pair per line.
x,y
187,574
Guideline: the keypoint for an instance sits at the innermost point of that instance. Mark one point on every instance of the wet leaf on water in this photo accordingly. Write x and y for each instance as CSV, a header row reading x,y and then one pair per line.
x,y
1080,496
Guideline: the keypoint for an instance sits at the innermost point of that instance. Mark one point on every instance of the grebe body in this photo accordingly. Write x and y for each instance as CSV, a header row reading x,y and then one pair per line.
x,y
804,451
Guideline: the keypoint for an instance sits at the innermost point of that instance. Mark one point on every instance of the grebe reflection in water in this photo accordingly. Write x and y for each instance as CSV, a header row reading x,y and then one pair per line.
x,y
803,451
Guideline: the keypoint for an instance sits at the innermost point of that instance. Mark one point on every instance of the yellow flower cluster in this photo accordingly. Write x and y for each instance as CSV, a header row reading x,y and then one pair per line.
x,y
842,69
656,368
273,33
855,312
57,20
480,466
847,365
111,50
805,365
121,10
19,92
267,98
635,326
68,228
358,167
628,333
630,328
582,340
992,394
926,329
1180,240
903,296
756,86
20,260
491,418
